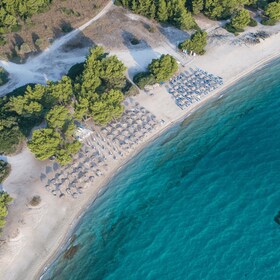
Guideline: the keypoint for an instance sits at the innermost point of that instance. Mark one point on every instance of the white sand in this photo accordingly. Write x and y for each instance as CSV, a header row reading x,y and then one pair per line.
x,y
32,236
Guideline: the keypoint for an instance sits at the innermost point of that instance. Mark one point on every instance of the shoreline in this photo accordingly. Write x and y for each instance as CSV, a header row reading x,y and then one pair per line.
x,y
35,238
64,242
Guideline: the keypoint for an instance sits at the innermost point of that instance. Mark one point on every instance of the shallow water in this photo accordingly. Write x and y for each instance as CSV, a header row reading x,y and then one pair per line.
x,y
197,203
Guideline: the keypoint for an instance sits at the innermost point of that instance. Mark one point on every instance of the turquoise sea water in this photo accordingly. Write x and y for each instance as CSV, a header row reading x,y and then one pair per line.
x,y
197,203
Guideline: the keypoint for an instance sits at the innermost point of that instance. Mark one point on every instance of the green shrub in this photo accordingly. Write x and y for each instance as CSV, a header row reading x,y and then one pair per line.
x,y
2,41
5,170
269,22
24,48
35,201
5,200
196,43
132,91
39,43
253,23
134,41
66,28
233,30
151,29
16,28
11,140
4,76
144,78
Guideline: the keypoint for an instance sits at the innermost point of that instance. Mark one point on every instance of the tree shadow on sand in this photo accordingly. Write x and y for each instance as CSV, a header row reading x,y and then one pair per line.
x,y
142,53
173,35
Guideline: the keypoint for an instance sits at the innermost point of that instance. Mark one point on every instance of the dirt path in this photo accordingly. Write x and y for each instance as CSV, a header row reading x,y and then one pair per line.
x,y
52,63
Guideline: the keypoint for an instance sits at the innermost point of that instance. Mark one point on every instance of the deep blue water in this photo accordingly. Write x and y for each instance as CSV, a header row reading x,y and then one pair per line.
x,y
197,203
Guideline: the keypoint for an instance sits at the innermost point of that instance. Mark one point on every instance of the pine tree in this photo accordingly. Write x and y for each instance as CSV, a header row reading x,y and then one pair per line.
x,y
197,6
153,11
134,6
162,14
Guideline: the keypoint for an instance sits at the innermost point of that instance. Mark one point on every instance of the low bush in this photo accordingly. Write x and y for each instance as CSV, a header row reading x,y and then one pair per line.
x,y
134,41
5,200
269,22
35,201
2,41
144,78
252,23
233,30
16,28
4,76
5,170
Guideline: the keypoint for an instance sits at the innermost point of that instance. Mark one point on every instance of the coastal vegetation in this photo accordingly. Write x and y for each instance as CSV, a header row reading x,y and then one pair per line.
x,y
5,169
159,70
96,92
196,43
5,200
179,12
4,76
14,11
173,12
272,11
239,21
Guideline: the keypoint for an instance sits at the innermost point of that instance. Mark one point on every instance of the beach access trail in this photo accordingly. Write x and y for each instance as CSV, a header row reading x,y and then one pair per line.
x,y
34,235
52,63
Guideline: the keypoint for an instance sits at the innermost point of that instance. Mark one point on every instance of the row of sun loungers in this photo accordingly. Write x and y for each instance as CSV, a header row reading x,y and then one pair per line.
x,y
111,142
189,87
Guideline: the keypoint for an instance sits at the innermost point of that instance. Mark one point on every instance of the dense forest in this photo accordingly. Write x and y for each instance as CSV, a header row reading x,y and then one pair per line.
x,y
179,12
95,91
11,11
173,11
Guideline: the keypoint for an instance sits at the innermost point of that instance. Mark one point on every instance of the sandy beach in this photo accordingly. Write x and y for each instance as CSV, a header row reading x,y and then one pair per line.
x,y
34,235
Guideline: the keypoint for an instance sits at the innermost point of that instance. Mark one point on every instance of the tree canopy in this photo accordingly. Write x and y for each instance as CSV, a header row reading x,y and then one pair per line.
x,y
44,143
95,92
196,43
172,11
58,116
98,94
159,70
163,68
241,19
107,106
273,11
178,12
